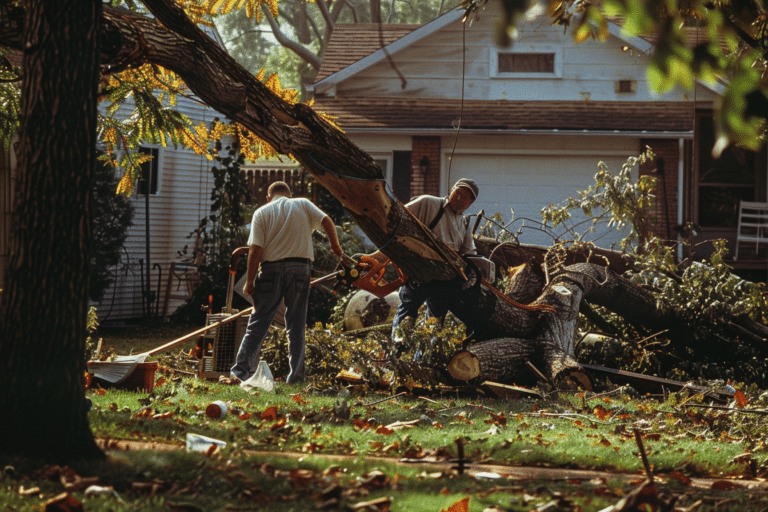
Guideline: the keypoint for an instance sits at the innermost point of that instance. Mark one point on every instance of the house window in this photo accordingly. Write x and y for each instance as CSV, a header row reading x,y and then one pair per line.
x,y
737,175
149,171
526,62
537,61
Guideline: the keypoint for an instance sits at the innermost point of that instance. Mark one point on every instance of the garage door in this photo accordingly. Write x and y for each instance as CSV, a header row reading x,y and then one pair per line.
x,y
527,183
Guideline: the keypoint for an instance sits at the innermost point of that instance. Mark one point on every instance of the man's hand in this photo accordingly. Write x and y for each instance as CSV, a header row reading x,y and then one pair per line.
x,y
248,288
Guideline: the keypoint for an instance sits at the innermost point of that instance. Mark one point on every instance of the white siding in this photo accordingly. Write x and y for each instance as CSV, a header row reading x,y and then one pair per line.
x,y
182,199
433,67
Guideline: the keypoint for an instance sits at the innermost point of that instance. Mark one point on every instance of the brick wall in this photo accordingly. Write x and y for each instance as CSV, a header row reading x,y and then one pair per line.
x,y
664,208
428,183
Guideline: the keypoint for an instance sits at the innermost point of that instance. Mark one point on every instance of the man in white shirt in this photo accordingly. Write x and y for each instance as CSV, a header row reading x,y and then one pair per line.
x,y
280,248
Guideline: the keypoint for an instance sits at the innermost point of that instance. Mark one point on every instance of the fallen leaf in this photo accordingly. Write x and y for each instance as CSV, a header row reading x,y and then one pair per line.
x,y
64,502
680,477
460,506
741,399
402,424
302,476
725,485
379,504
270,413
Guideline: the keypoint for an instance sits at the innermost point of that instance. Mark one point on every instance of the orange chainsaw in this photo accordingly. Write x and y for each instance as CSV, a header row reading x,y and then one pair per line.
x,y
368,274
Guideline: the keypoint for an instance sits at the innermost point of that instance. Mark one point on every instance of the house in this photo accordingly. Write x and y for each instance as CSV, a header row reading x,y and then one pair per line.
x,y
530,123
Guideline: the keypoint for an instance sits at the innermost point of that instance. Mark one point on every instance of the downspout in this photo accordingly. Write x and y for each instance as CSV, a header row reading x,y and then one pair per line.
x,y
680,199
146,286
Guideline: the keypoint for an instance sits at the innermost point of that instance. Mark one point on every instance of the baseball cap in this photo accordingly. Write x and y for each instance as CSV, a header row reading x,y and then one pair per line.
x,y
469,184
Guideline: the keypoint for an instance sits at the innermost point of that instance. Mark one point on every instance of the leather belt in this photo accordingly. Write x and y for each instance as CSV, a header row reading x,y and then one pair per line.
x,y
289,260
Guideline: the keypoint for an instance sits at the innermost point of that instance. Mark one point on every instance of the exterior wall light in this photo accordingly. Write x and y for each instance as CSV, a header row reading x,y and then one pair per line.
x,y
424,164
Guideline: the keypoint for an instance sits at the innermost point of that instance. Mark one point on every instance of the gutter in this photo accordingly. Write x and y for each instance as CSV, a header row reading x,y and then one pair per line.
x,y
686,134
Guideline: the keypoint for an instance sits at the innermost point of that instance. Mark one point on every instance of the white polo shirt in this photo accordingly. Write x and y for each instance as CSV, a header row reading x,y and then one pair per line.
x,y
283,227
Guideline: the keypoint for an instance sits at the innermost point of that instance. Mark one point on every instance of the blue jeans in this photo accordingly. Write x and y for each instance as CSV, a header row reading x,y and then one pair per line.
x,y
275,282
411,299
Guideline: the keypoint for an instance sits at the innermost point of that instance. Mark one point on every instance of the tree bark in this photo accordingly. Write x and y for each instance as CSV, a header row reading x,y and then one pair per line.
x,y
44,305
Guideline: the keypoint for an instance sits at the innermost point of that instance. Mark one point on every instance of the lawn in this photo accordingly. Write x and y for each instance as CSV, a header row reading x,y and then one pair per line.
x,y
326,445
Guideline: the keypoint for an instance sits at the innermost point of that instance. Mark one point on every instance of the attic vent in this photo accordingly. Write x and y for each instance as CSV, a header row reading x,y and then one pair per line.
x,y
626,86
526,62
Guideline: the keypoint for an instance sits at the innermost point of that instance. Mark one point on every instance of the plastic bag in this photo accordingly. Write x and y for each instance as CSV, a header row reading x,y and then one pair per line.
x,y
262,379
198,443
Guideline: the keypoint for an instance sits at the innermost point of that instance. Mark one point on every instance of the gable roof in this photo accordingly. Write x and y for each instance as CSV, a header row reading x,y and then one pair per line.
x,y
324,82
358,114
361,48
351,42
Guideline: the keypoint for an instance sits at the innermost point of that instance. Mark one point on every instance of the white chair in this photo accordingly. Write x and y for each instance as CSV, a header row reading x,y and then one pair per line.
x,y
753,225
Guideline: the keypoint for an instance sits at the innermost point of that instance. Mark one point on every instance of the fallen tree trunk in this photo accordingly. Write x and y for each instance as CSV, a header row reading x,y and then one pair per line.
x,y
551,346
512,254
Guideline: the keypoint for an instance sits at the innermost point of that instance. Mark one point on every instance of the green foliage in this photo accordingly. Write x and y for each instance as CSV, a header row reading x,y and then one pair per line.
x,y
10,95
91,328
705,295
112,216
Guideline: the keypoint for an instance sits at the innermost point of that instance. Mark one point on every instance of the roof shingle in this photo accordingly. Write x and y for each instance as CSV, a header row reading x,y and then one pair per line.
x,y
389,113
351,42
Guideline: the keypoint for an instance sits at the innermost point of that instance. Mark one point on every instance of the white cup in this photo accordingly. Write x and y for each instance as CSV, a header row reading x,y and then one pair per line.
x,y
216,409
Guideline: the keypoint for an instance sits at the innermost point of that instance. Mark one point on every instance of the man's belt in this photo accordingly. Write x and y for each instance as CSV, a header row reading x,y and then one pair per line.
x,y
288,260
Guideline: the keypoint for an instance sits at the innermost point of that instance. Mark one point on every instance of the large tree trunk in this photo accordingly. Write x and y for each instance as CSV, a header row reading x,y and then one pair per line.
x,y
42,349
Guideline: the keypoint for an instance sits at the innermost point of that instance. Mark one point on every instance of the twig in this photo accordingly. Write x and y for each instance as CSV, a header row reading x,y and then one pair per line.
x,y
724,408
385,399
536,372
639,441
564,415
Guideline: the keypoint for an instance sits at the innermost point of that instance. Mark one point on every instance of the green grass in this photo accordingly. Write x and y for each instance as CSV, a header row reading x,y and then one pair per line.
x,y
317,423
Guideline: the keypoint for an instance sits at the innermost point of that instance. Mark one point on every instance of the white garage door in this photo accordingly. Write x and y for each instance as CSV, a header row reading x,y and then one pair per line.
x,y
527,183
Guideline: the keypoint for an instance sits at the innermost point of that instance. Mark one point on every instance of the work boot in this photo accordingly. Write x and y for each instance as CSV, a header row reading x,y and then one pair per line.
x,y
402,335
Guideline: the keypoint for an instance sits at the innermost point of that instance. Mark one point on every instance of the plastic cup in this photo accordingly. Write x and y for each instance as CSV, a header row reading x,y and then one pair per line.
x,y
216,409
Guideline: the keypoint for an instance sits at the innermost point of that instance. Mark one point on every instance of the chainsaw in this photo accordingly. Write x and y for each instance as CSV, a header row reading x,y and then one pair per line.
x,y
368,274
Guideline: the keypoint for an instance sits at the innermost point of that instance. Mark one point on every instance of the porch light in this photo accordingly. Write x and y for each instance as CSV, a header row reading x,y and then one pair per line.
x,y
424,164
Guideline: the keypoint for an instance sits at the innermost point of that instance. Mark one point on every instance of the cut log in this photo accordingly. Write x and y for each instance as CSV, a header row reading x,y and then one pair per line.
x,y
505,360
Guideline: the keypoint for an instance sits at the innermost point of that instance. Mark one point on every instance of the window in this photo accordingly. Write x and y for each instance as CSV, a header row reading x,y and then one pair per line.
x,y
538,61
736,175
149,171
526,62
